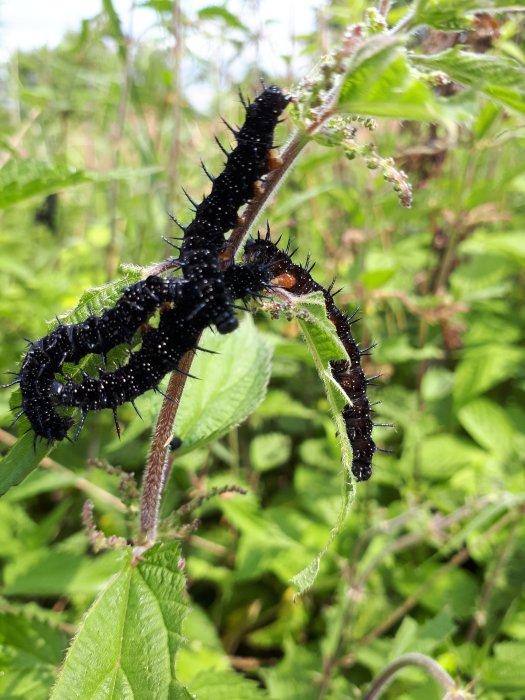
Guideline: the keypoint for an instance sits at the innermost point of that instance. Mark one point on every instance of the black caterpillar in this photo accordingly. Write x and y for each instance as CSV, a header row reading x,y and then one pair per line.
x,y
204,295
297,281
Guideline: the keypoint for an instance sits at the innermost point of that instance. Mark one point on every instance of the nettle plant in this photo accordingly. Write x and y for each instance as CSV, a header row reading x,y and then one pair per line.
x,y
110,349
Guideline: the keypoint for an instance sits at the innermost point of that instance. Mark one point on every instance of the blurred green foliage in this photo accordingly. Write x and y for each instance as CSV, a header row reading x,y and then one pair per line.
x,y
431,557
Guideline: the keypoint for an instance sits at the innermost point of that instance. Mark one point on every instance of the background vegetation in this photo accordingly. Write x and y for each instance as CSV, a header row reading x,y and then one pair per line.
x,y
98,136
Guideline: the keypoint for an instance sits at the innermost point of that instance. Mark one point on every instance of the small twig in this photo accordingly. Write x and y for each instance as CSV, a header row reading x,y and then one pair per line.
x,y
97,539
425,662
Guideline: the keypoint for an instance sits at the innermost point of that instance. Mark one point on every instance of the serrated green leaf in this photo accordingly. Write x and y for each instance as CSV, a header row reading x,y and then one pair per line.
x,y
324,345
229,389
30,652
224,685
484,367
98,299
380,82
127,643
24,179
500,78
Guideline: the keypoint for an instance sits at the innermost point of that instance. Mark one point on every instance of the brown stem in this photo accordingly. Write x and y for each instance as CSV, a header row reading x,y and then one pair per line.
x,y
158,465
294,146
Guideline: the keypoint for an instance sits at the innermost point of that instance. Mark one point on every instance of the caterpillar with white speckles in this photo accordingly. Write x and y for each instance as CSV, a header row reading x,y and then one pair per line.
x,y
203,295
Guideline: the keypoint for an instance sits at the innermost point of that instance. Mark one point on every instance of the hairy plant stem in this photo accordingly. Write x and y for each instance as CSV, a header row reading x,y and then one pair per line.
x,y
388,674
158,465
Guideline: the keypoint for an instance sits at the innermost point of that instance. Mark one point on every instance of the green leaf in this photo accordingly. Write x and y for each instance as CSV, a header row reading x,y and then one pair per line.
x,y
442,456
229,389
22,458
488,424
484,367
23,179
380,82
224,685
324,345
505,672
115,28
61,570
445,14
269,451
500,78
127,643
98,299
158,5
295,676
220,12
507,243
30,652
453,14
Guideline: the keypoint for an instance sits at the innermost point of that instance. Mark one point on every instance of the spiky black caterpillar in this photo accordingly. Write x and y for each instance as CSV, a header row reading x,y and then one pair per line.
x,y
203,239
348,373
70,343
161,350
203,296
